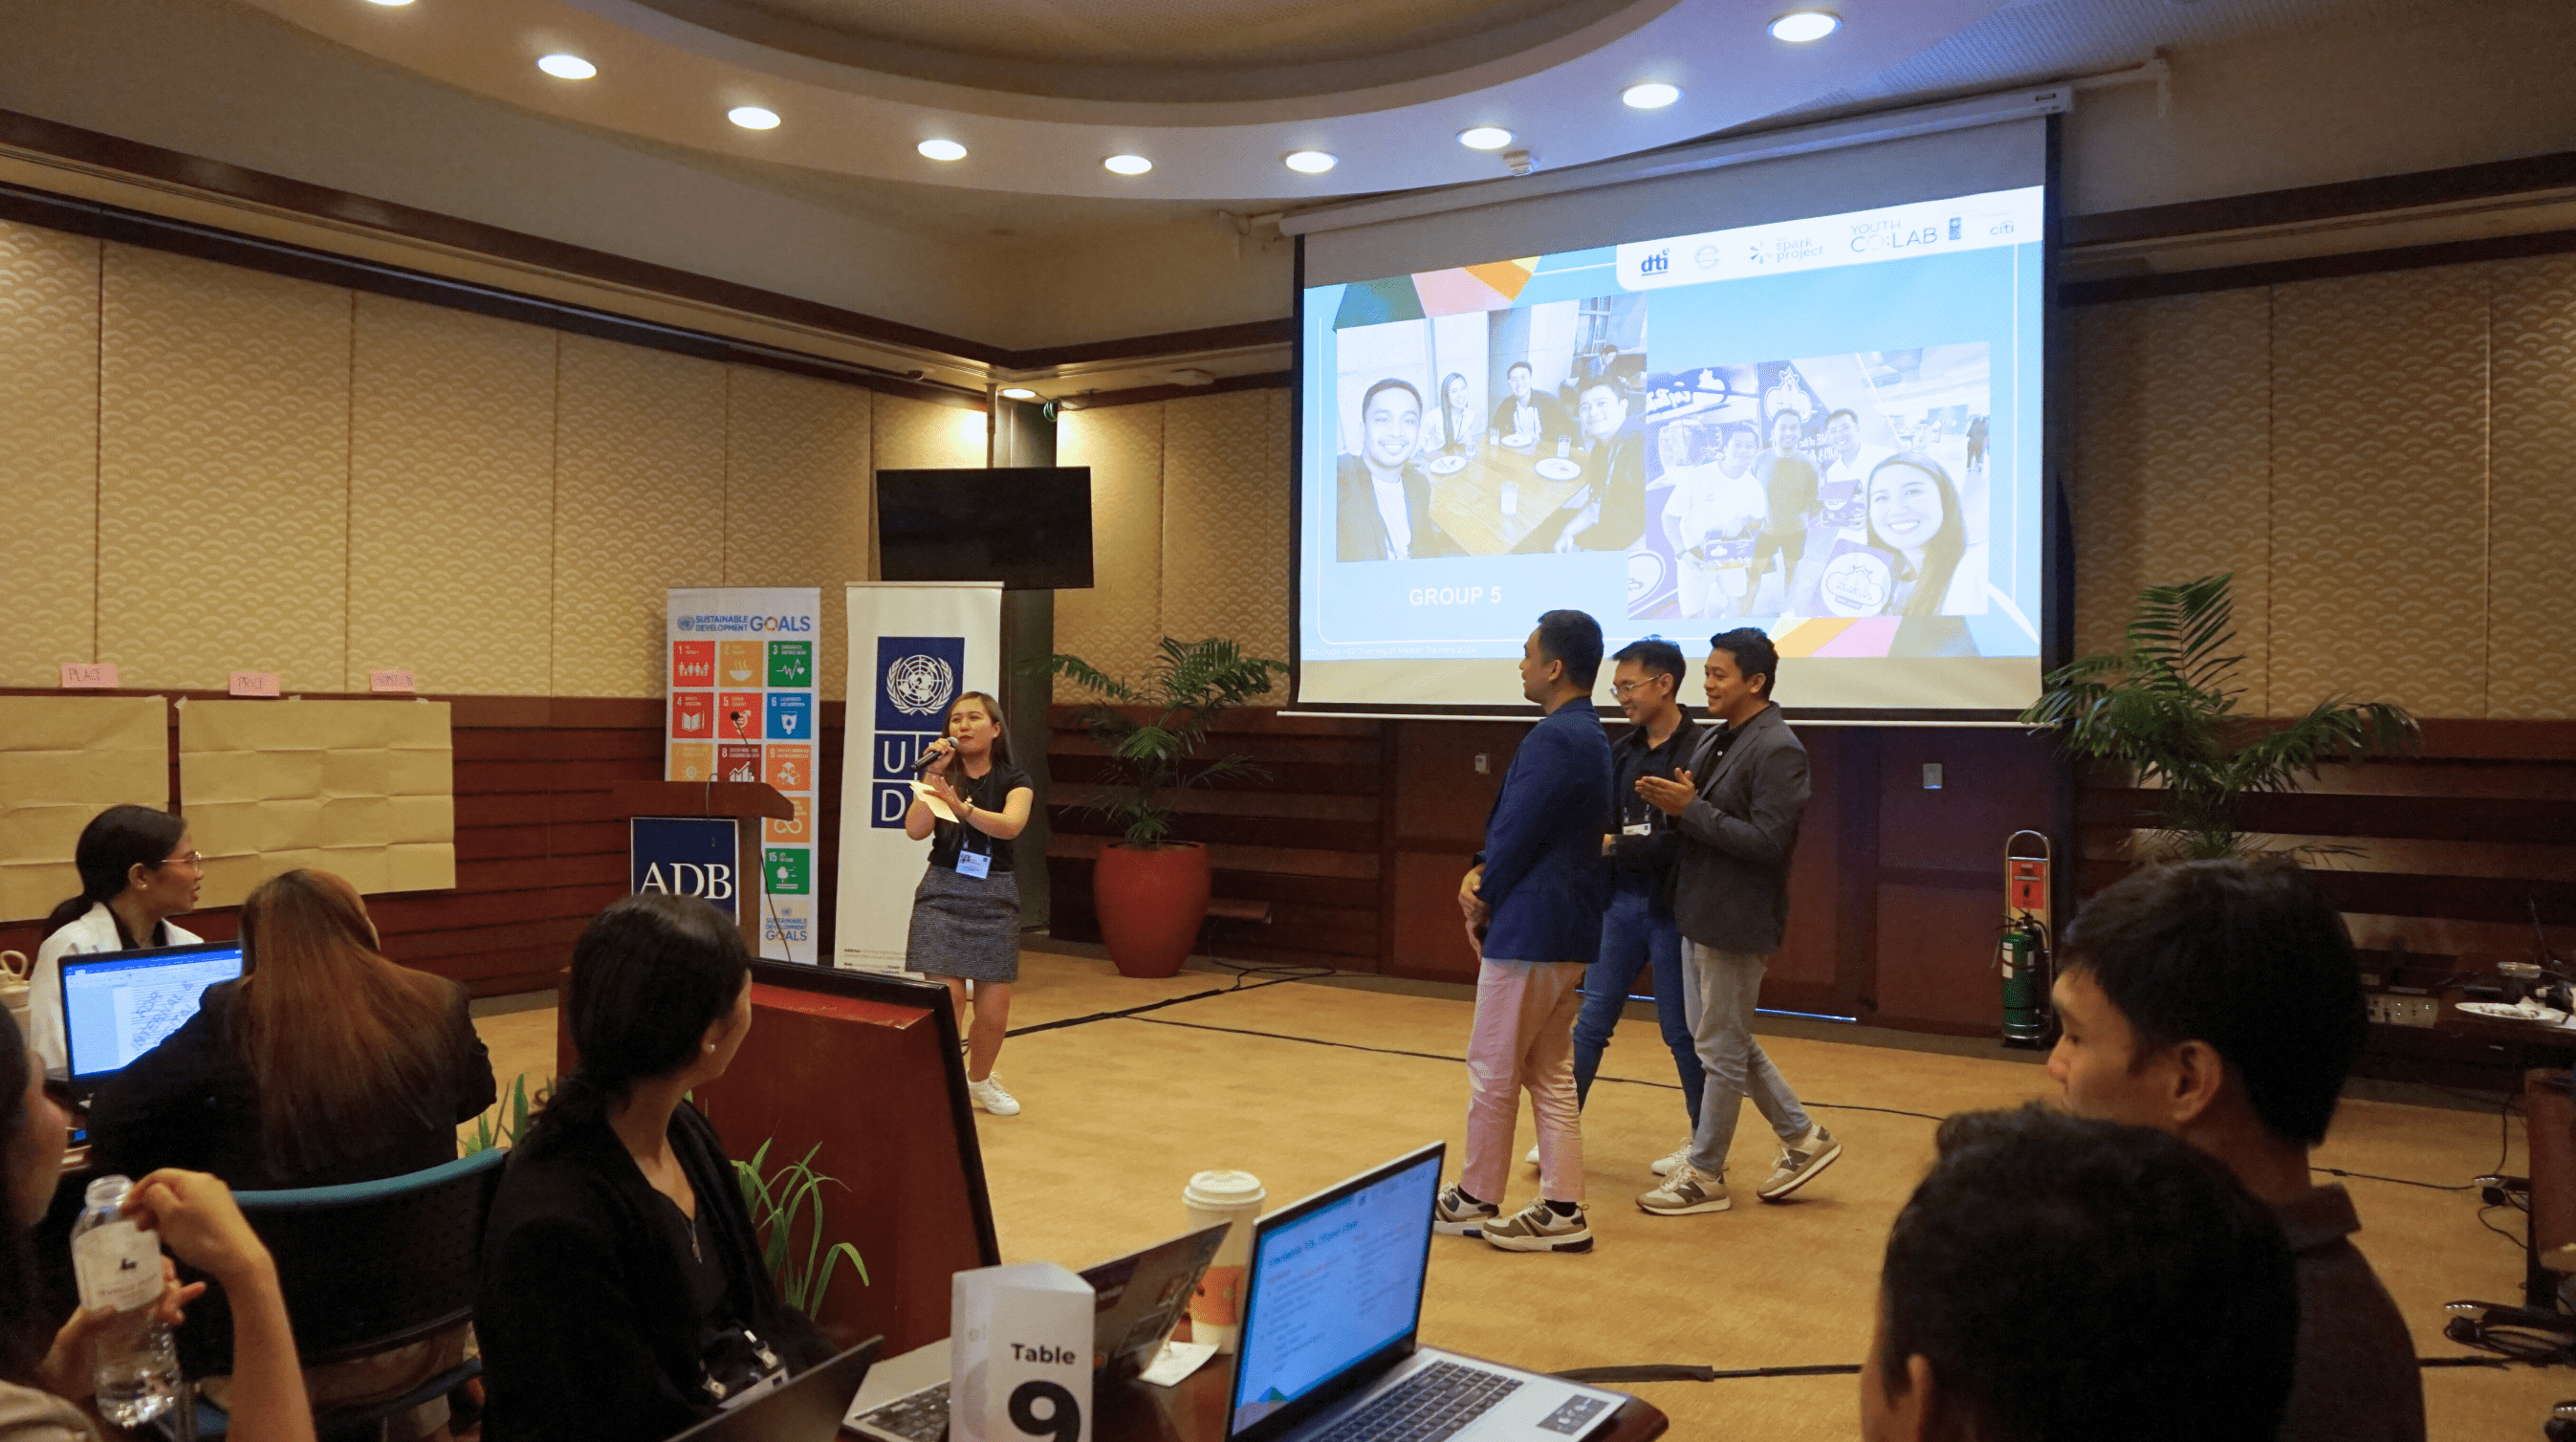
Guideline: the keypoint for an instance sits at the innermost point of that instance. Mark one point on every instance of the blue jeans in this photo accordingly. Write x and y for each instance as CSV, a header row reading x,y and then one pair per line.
x,y
1635,933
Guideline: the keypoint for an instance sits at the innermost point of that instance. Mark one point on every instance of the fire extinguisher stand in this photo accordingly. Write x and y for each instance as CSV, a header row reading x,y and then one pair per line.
x,y
2023,956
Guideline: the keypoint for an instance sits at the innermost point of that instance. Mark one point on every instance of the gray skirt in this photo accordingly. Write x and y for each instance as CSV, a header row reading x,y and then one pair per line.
x,y
965,926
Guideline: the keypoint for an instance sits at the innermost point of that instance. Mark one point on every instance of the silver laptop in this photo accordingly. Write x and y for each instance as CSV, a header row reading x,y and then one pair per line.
x,y
1330,1312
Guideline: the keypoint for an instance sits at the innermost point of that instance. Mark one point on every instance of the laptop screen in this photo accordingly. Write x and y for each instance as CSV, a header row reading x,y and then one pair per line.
x,y
1335,1281
117,1005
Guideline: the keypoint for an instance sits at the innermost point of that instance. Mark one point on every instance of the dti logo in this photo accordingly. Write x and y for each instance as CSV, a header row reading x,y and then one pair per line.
x,y
920,685
1657,264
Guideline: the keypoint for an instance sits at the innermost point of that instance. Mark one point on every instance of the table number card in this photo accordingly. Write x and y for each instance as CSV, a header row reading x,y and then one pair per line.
x,y
1019,1354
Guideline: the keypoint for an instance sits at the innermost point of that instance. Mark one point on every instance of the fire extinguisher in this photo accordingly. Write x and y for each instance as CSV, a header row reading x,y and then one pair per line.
x,y
2023,954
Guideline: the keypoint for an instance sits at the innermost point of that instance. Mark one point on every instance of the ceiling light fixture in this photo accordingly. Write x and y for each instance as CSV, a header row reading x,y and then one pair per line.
x,y
752,117
1128,164
566,67
1653,95
1311,162
941,150
389,4
1485,137
1801,26
1018,393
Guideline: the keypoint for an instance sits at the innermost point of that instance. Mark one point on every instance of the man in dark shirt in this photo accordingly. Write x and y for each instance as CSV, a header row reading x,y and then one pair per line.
x,y
2219,1001
1608,512
2055,1277
1638,931
1789,494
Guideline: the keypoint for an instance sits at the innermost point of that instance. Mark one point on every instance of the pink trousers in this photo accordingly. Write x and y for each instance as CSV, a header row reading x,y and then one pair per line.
x,y
1524,1040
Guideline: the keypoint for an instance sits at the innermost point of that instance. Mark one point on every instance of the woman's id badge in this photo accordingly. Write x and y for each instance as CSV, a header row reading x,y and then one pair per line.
x,y
974,863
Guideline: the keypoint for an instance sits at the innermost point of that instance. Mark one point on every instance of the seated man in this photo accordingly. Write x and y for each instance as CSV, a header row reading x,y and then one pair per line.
x,y
2220,1002
2056,1278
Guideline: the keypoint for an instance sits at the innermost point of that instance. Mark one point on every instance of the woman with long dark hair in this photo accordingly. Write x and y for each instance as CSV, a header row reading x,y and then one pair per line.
x,y
624,1297
966,912
42,1381
325,1063
138,868
1914,516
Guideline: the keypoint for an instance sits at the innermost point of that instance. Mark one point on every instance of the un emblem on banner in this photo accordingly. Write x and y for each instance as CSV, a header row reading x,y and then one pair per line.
x,y
920,685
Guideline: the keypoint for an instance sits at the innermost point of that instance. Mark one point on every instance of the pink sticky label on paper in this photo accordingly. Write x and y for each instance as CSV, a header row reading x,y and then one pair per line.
x,y
255,683
396,682
89,676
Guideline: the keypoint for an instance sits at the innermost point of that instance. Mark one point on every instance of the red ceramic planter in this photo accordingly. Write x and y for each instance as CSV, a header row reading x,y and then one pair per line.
x,y
1151,903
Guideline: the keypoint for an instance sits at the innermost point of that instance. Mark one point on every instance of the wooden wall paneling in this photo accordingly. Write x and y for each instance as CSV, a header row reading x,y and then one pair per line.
x,y
451,499
1929,979
1809,973
223,473
1936,952
49,462
1441,803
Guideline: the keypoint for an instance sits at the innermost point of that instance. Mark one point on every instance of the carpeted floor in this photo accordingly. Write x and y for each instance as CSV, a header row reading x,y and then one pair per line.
x,y
1304,1083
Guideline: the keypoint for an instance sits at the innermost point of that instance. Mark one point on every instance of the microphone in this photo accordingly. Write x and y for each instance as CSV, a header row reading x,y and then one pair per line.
x,y
931,753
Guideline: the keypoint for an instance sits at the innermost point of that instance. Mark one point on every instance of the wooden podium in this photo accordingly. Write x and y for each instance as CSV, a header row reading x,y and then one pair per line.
x,y
866,1069
747,802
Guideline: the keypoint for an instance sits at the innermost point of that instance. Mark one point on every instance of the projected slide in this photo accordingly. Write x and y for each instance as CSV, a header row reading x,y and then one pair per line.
x,y
1828,428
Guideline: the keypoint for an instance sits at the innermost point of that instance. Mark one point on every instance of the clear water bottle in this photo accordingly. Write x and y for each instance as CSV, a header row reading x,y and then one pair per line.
x,y
119,1265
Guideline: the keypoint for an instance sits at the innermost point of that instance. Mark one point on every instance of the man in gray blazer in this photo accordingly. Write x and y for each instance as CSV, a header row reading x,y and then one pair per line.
x,y
1737,807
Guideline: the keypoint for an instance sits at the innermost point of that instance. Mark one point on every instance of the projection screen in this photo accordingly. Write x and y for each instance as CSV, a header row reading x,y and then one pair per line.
x,y
1803,394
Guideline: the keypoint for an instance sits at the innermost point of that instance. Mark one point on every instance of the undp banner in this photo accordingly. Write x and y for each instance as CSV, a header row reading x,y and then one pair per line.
x,y
913,648
742,709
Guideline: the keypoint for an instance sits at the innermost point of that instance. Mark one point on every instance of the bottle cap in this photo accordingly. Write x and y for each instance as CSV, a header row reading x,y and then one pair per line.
x,y
108,1191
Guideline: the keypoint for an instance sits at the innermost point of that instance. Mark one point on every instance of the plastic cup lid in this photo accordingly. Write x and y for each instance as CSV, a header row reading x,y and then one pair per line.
x,y
1223,1189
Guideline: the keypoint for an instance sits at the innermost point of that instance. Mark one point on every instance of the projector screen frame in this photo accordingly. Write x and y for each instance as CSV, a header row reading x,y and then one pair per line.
x,y
2055,613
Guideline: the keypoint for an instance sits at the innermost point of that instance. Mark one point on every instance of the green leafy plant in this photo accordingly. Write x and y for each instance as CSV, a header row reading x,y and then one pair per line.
x,y
1188,685
782,1201
2165,706
507,1119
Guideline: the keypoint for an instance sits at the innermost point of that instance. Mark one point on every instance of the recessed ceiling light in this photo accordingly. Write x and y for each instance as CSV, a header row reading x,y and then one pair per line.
x,y
566,67
1128,164
942,149
1018,393
1653,95
1485,137
1311,162
1800,26
752,117
389,4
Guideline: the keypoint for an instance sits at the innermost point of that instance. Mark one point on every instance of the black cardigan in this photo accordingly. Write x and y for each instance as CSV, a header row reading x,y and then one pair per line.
x,y
191,1102
584,1318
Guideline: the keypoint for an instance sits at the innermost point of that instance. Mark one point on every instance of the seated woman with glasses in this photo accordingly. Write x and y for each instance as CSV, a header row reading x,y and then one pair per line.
x,y
624,1296
138,868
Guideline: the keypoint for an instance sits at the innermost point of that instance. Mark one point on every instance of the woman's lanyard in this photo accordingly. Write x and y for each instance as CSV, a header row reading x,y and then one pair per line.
x,y
971,862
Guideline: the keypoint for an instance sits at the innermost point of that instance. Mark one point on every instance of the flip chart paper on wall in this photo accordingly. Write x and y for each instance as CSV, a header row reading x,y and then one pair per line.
x,y
63,760
365,789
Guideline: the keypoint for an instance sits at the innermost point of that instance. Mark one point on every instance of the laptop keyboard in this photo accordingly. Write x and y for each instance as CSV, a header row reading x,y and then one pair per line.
x,y
921,1417
1436,1402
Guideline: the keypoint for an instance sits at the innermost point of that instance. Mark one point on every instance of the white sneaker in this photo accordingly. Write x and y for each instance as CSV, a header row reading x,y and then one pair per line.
x,y
1532,1158
989,1095
1670,1162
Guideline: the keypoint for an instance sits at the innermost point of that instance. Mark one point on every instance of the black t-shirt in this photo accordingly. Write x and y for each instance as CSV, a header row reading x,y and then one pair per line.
x,y
991,792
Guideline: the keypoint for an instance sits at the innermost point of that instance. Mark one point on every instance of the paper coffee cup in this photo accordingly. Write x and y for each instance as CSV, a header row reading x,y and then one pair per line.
x,y
1216,1308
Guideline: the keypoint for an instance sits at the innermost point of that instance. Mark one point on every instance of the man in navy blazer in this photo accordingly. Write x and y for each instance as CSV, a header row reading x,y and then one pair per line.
x,y
1533,903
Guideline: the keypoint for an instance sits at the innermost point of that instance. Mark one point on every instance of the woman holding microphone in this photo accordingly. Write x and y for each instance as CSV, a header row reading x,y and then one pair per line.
x,y
966,913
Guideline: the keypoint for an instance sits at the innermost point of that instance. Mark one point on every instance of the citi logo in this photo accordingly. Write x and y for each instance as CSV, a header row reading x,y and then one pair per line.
x,y
1657,264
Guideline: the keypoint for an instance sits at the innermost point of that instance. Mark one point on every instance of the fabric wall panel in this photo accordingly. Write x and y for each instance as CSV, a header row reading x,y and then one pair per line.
x,y
49,457
2531,631
800,496
925,435
451,500
1116,623
1225,520
223,473
639,507
2172,467
2379,456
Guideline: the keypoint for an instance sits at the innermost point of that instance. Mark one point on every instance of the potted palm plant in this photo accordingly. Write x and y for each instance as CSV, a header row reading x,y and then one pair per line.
x,y
2165,707
1152,891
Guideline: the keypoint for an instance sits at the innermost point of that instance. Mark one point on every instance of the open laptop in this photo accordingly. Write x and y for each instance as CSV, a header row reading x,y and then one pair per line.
x,y
117,1005
1330,1313
1136,1301
807,1409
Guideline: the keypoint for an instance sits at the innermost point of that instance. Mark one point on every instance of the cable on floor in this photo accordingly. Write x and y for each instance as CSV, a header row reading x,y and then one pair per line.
x,y
1137,1012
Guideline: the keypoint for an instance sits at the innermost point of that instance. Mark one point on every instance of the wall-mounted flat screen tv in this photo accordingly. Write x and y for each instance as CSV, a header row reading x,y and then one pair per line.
x,y
1028,527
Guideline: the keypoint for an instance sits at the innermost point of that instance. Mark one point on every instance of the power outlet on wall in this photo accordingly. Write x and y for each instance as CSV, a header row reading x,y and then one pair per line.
x,y
1483,768
2389,1009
